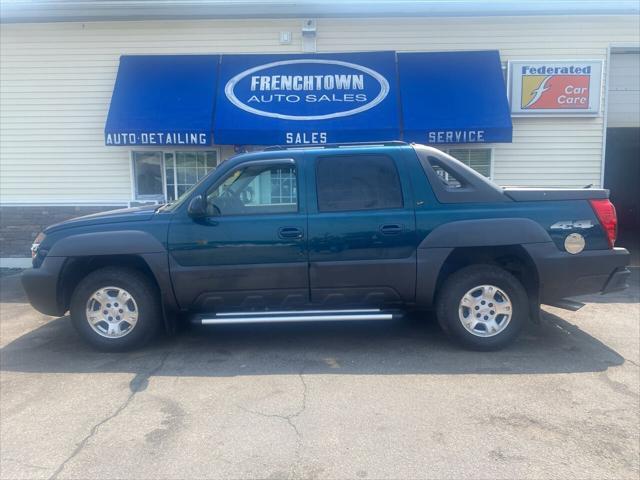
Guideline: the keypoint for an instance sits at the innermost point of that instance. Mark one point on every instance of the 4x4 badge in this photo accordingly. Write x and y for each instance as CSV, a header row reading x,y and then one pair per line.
x,y
572,225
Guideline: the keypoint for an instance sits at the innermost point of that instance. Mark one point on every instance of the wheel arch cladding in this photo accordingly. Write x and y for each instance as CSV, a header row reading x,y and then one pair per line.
x,y
82,261
121,242
496,241
486,233
512,258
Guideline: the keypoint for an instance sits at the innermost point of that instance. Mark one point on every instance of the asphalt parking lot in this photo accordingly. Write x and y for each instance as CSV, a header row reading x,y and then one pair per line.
x,y
363,401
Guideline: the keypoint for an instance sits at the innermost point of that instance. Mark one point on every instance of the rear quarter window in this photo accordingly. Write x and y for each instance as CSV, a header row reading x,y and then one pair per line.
x,y
454,182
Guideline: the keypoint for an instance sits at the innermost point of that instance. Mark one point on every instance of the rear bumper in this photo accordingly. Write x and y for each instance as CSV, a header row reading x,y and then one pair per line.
x,y
562,275
619,280
41,286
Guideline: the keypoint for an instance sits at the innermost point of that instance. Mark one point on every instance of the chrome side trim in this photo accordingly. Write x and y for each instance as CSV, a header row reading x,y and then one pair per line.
x,y
295,318
294,312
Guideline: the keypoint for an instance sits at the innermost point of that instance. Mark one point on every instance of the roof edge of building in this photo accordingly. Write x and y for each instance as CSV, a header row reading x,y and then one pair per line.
x,y
48,11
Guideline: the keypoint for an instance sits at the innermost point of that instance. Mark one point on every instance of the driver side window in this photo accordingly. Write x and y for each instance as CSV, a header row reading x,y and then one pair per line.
x,y
255,189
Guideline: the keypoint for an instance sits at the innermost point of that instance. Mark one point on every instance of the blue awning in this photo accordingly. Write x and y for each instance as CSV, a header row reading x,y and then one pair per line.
x,y
181,100
163,100
453,97
307,98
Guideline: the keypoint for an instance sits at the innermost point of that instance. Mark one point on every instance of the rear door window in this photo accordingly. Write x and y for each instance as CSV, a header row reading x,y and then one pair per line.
x,y
357,182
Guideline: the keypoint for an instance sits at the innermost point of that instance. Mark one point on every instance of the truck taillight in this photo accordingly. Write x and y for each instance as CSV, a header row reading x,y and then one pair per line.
x,y
606,213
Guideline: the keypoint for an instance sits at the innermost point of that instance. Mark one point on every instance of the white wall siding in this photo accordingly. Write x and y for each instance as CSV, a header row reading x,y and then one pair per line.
x,y
55,88
554,152
56,82
545,151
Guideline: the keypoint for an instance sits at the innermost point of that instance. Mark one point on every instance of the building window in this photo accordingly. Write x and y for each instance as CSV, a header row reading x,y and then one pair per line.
x,y
283,185
147,171
165,175
477,158
184,169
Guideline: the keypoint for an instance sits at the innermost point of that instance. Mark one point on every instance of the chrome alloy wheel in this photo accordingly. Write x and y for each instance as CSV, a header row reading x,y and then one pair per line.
x,y
485,310
112,312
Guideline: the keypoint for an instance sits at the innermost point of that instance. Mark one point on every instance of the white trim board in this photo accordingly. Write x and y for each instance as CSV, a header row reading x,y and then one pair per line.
x,y
65,204
605,114
8,262
158,10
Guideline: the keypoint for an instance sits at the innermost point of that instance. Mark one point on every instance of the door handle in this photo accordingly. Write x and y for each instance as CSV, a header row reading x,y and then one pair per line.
x,y
290,232
391,229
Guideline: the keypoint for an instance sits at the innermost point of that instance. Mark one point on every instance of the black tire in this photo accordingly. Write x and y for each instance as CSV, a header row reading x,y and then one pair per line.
x,y
138,286
459,283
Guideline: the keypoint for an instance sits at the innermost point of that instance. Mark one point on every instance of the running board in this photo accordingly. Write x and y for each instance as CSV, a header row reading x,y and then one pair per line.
x,y
567,304
227,318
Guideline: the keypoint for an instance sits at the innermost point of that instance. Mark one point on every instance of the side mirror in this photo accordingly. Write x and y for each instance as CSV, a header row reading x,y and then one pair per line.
x,y
197,207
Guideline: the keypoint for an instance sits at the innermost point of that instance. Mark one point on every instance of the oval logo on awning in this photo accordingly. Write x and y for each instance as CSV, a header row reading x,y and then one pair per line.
x,y
307,89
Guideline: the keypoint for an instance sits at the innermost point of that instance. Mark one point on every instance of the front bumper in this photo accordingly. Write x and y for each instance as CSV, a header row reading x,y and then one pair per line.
x,y
41,286
562,275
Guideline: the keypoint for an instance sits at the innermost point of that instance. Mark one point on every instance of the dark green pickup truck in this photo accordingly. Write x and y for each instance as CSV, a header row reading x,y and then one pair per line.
x,y
334,232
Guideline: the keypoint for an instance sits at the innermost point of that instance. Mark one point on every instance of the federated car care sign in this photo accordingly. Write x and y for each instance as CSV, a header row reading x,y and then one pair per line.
x,y
549,88
306,99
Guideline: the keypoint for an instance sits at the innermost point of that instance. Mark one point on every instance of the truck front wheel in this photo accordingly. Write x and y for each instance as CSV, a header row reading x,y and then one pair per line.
x,y
115,309
482,306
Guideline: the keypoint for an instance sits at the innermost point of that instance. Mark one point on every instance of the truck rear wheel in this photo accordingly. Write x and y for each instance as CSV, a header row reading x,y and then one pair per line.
x,y
482,306
115,309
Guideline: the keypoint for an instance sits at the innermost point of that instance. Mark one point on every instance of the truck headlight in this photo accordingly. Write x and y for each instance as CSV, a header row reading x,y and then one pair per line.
x,y
36,244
